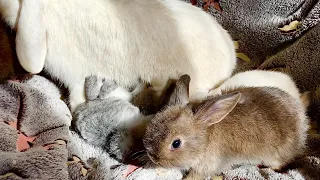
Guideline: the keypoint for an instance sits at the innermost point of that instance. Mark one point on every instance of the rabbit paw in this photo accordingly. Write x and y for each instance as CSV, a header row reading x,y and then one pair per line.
x,y
102,88
98,87
92,87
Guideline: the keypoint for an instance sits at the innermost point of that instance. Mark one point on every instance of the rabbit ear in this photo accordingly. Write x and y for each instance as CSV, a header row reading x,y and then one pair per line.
x,y
180,94
306,98
10,11
213,112
31,40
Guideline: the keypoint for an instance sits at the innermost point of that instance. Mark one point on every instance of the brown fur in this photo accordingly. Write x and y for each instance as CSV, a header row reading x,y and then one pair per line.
x,y
305,98
9,64
314,107
6,53
257,125
147,101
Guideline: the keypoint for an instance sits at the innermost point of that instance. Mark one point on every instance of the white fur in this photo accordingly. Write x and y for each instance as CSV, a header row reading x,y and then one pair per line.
x,y
31,41
125,40
120,93
259,78
9,11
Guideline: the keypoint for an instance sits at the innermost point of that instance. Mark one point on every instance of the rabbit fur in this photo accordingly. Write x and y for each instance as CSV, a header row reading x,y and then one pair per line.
x,y
106,119
244,125
259,78
125,40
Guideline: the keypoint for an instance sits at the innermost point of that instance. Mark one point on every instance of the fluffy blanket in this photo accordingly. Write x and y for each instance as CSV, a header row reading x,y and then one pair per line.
x,y
34,130
280,35
36,142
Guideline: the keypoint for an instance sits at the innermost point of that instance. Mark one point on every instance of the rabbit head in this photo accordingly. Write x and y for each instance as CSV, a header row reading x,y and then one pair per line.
x,y
177,135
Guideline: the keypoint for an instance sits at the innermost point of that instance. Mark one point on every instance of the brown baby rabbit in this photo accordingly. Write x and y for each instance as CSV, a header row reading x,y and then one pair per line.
x,y
260,125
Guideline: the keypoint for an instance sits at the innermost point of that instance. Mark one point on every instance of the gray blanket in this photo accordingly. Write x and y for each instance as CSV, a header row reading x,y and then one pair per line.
x,y
36,142
34,130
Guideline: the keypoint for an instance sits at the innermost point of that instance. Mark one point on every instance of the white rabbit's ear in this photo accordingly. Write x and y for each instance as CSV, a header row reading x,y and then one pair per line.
x,y
9,11
31,39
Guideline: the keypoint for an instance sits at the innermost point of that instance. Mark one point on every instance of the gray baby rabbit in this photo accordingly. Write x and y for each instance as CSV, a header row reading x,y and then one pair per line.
x,y
245,125
107,116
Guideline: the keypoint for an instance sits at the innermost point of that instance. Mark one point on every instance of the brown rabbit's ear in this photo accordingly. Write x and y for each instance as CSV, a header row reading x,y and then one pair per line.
x,y
180,94
305,98
213,112
31,39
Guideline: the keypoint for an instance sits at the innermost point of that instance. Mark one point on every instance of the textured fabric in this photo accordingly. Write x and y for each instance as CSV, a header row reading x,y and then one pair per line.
x,y
258,27
31,110
255,24
45,118
32,118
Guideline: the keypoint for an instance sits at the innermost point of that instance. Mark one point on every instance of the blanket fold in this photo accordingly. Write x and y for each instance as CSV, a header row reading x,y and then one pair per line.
x,y
36,142
32,119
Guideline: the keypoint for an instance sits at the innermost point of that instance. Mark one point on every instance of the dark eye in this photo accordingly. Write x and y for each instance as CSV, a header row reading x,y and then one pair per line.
x,y
176,144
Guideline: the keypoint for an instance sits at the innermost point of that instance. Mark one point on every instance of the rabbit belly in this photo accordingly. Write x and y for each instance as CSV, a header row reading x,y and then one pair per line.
x,y
117,40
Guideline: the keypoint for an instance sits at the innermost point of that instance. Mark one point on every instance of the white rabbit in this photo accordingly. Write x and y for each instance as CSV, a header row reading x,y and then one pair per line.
x,y
121,39
259,78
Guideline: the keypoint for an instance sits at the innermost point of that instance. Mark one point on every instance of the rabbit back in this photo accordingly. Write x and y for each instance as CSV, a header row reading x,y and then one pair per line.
x,y
267,125
123,41
260,78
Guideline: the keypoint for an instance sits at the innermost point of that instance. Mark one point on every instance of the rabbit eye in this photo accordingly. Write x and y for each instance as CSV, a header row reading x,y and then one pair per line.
x,y
176,144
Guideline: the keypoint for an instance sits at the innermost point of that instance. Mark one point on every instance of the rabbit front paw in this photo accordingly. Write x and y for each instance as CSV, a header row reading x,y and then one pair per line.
x,y
98,87
102,88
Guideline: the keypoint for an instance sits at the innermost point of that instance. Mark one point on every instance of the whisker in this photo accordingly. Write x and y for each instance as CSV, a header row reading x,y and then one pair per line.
x,y
148,164
171,164
146,158
137,152
138,156
145,161
131,151
141,158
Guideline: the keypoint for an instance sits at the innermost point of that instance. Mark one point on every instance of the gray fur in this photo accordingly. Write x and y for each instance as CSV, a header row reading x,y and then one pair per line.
x,y
256,28
37,163
8,102
27,165
8,138
98,87
103,120
36,105
117,142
